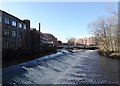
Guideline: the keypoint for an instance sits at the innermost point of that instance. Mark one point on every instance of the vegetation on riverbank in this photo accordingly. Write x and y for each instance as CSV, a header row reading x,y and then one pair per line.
x,y
110,54
107,32
13,57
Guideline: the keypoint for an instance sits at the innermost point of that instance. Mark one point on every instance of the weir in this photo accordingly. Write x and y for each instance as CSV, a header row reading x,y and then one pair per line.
x,y
80,67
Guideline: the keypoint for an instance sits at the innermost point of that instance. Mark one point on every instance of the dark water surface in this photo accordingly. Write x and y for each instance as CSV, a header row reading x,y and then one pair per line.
x,y
83,67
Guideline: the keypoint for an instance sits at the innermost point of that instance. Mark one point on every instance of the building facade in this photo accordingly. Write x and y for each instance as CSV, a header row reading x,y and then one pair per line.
x,y
15,32
44,39
89,41
59,42
50,39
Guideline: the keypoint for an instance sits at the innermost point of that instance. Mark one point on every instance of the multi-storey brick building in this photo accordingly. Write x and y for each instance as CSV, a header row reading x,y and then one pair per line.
x,y
90,41
59,42
44,39
15,32
34,40
52,40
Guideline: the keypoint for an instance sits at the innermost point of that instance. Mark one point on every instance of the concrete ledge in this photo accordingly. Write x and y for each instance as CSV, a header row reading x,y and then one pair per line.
x,y
34,62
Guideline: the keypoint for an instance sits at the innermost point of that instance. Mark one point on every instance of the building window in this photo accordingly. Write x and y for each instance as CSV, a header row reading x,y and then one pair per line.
x,y
7,21
13,33
14,23
20,25
20,35
0,19
6,44
6,32
24,26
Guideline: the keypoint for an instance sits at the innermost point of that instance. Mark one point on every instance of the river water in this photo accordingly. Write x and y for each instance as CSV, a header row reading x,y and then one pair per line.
x,y
81,67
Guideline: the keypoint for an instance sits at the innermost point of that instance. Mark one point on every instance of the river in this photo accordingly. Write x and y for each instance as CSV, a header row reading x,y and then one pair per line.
x,y
81,67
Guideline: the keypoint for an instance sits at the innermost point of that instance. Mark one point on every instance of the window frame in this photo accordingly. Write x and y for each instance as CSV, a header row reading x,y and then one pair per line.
x,y
6,32
24,26
19,25
13,33
6,20
14,23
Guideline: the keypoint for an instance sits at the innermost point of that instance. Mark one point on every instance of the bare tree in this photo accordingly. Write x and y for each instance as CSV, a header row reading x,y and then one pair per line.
x,y
71,41
106,31
111,9
116,15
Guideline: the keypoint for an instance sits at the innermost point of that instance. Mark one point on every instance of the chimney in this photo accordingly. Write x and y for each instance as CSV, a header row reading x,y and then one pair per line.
x,y
39,27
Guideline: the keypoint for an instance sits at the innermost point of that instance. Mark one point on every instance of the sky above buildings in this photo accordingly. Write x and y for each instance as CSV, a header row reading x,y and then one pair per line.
x,y
62,19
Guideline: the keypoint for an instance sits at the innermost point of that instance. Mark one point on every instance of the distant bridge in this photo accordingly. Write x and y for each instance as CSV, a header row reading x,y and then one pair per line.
x,y
77,46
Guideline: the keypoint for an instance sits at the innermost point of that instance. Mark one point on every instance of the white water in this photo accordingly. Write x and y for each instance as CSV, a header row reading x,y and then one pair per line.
x,y
72,68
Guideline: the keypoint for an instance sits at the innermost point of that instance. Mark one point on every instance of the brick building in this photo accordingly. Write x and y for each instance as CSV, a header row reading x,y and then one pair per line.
x,y
44,39
89,41
59,42
15,32
51,40
34,40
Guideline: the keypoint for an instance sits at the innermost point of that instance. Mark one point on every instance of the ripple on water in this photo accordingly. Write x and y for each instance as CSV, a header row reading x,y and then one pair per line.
x,y
72,80
76,68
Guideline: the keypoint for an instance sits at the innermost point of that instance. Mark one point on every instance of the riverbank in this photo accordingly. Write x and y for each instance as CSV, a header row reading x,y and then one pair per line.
x,y
42,56
63,68
6,62
12,57
109,54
